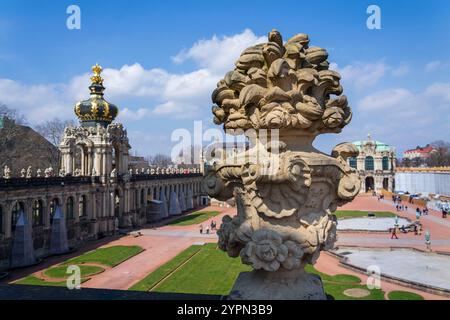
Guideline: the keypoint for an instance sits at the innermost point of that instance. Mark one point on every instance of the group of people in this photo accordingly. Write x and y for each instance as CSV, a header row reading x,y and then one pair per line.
x,y
209,228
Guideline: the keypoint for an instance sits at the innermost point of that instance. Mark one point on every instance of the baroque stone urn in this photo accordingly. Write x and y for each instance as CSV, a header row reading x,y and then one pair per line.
x,y
285,190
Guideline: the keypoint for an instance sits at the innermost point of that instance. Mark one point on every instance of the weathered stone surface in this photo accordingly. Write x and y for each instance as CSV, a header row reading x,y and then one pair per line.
x,y
264,285
285,189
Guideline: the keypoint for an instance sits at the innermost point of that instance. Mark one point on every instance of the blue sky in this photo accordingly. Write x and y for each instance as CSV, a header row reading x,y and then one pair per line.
x,y
163,58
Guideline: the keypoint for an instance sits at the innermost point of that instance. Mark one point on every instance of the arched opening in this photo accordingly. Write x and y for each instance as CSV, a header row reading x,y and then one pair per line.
x,y
386,184
352,162
53,204
15,213
82,207
385,163
136,199
142,198
370,184
368,163
37,213
117,203
70,211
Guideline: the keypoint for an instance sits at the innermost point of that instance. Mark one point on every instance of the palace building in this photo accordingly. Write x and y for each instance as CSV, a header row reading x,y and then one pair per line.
x,y
375,165
96,189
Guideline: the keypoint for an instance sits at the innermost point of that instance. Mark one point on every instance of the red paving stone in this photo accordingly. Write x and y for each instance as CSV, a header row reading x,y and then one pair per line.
x,y
330,265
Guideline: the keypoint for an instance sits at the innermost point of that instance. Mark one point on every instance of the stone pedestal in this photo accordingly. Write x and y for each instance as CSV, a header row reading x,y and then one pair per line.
x,y
284,284
285,190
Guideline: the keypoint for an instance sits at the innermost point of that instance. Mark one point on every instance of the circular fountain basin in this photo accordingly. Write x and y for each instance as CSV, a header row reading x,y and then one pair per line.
x,y
370,224
423,268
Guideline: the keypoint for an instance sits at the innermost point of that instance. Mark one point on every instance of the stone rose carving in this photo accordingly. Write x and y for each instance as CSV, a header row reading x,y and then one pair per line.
x,y
265,251
285,190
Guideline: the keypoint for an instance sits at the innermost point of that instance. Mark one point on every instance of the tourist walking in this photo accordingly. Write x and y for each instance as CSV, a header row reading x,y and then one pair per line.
x,y
201,228
428,240
394,233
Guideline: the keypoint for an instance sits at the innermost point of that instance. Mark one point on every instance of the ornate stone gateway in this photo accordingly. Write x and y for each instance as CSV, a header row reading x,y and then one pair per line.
x,y
286,197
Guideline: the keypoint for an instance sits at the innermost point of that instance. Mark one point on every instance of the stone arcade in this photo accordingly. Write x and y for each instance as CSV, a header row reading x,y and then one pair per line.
x,y
95,189
286,202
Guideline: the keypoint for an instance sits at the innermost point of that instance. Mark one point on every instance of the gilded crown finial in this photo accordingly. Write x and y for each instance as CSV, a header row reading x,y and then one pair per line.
x,y
96,78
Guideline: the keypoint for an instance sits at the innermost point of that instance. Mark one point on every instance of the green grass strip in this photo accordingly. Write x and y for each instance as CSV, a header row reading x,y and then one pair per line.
x,y
194,218
109,256
343,214
156,276
61,271
34,281
404,295
339,278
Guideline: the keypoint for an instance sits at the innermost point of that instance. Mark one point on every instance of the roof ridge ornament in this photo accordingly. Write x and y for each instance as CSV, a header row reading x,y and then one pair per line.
x,y
96,78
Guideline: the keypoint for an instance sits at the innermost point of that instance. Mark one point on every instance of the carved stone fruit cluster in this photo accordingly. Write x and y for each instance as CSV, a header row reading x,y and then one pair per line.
x,y
276,85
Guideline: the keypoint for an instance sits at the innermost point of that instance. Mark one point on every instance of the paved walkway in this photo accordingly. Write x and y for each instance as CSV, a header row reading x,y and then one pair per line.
x,y
330,265
162,243
439,228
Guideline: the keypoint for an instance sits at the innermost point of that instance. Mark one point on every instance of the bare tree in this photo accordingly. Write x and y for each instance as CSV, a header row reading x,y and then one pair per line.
x,y
439,157
189,156
159,159
53,130
12,114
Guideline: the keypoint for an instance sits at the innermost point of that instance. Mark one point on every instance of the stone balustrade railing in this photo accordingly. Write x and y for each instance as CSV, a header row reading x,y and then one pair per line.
x,y
27,179
49,172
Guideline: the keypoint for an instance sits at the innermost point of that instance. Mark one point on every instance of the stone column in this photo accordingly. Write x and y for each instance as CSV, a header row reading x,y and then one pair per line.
x,y
7,219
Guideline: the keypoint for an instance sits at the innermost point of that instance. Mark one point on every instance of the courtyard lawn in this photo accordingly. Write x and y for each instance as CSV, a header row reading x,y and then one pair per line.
x,y
338,278
156,276
404,295
210,271
194,218
109,256
35,281
344,214
61,271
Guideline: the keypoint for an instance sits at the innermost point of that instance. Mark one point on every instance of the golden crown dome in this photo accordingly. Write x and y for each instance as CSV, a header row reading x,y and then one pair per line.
x,y
96,110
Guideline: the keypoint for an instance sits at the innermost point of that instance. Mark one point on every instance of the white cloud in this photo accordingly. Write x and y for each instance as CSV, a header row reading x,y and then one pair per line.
x,y
439,89
405,118
159,92
362,74
390,98
219,53
402,70
437,65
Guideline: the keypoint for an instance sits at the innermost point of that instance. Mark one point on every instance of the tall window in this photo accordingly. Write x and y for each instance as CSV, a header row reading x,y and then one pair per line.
x,y
385,163
368,163
82,206
142,197
37,213
18,207
70,209
136,198
53,205
352,162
